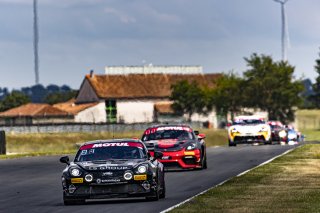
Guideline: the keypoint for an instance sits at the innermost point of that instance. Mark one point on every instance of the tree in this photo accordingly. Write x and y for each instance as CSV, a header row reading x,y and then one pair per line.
x,y
189,99
270,86
58,97
227,96
14,99
315,98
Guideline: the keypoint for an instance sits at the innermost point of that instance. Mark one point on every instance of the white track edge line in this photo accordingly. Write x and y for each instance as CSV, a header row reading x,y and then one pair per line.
x,y
242,173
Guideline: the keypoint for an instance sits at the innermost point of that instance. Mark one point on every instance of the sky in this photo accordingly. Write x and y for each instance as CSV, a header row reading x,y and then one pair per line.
x,y
79,35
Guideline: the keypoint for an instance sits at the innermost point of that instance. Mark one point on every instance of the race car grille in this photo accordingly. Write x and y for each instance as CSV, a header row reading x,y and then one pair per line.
x,y
109,189
258,138
171,165
189,160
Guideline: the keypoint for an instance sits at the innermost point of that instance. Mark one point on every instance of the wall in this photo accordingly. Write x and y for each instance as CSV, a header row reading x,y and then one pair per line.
x,y
135,111
95,114
211,117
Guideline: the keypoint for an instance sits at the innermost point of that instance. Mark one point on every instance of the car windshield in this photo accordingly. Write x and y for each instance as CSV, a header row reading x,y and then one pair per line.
x,y
248,122
168,134
96,153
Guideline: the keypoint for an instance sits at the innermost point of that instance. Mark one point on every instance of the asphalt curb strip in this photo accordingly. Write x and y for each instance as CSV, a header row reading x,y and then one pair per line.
x,y
219,184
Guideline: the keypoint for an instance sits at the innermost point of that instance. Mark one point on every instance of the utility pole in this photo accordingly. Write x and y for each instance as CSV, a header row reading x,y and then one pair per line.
x,y
35,40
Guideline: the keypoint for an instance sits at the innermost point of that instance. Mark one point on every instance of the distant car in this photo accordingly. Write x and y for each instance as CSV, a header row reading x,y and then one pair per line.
x,y
112,169
182,147
248,130
277,131
292,135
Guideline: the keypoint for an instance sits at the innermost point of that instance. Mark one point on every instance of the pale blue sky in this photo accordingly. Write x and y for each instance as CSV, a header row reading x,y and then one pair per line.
x,y
79,35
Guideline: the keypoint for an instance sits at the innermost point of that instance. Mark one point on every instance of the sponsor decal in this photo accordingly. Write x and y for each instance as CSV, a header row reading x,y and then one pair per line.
x,y
140,177
182,128
109,144
153,130
189,153
107,173
76,180
110,180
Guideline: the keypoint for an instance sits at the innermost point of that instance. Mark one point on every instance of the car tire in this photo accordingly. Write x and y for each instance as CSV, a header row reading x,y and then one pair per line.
x,y
204,162
232,144
163,191
155,197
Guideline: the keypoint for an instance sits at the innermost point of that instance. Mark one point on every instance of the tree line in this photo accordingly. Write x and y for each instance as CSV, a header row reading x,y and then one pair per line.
x,y
267,85
51,94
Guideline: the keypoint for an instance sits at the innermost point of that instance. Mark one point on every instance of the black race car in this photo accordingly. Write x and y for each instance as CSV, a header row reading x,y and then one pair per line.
x,y
182,147
112,169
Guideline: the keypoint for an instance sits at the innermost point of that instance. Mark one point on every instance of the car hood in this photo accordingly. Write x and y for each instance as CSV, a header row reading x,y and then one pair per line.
x,y
110,164
167,144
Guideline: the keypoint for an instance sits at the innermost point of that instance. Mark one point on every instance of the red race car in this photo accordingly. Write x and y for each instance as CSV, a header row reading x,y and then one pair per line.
x,y
181,146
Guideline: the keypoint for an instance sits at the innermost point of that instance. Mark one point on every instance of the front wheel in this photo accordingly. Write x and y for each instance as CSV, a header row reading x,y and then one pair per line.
x,y
232,144
155,197
204,162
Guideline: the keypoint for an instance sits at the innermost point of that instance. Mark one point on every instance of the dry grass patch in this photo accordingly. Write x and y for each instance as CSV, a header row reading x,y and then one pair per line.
x,y
288,184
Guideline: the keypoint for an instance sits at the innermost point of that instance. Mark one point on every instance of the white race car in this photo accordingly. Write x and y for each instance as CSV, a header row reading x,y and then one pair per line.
x,y
249,129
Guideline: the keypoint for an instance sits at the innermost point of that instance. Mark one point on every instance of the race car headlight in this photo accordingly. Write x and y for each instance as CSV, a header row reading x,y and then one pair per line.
x,y
234,130
191,146
263,129
282,134
88,178
142,169
127,175
75,172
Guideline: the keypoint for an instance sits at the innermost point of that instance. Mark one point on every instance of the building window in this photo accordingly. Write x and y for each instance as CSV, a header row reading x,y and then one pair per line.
x,y
111,110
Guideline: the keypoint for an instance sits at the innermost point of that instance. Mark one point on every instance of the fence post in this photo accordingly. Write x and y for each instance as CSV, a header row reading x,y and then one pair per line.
x,y
2,142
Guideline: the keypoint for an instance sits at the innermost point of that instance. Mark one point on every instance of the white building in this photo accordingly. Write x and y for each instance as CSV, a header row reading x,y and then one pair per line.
x,y
132,98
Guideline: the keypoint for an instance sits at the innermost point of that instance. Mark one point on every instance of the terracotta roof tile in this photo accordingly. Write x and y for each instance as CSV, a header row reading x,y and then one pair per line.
x,y
34,110
143,85
73,108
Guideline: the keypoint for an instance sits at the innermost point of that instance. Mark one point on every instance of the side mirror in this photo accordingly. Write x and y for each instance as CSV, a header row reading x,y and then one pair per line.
x,y
64,159
196,132
201,136
158,155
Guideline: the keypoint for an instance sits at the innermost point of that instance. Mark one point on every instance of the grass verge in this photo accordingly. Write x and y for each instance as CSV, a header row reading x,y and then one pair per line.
x,y
288,184
61,143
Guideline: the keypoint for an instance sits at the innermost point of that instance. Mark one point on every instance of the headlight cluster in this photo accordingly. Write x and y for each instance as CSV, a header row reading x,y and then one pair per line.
x,y
88,178
128,175
142,169
234,130
191,146
282,134
75,172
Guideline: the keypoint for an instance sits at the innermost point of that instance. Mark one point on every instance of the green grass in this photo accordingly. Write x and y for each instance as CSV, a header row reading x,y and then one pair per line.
x,y
288,184
308,119
56,142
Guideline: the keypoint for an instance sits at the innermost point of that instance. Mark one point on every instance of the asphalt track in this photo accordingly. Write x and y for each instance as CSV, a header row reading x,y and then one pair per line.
x,y
33,184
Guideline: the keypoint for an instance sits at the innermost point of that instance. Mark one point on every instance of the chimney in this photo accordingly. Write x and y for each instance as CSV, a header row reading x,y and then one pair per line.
x,y
91,73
